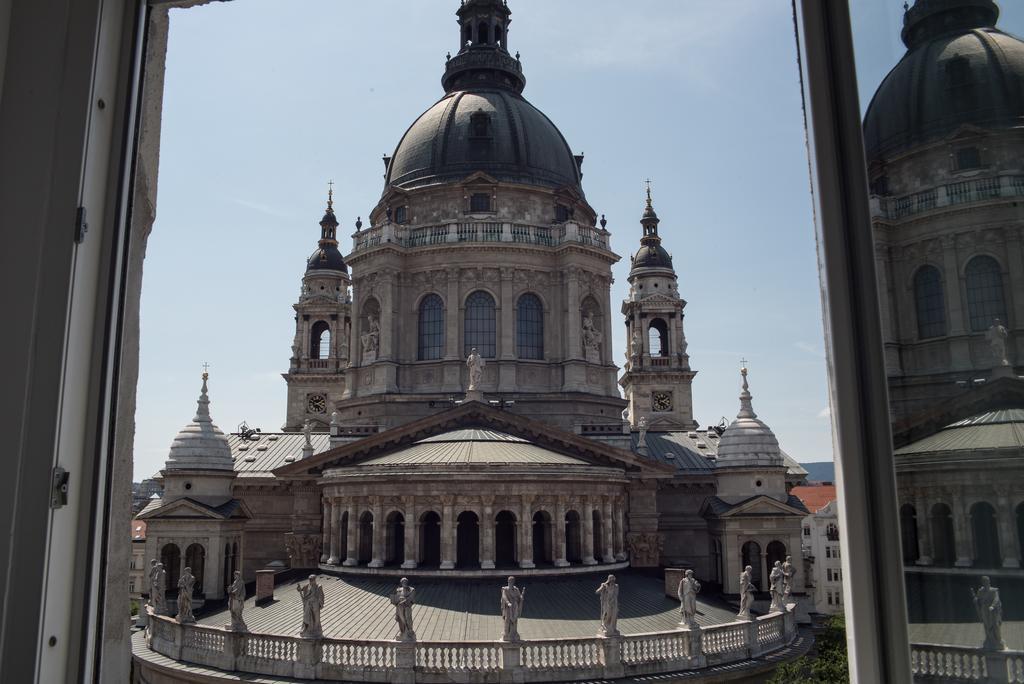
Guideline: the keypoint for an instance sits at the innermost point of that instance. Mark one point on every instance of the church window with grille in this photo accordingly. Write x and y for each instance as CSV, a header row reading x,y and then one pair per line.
x,y
480,325
431,328
930,303
530,327
480,201
968,158
401,214
985,300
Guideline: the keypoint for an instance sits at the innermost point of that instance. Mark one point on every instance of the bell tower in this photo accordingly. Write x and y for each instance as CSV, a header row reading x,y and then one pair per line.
x,y
316,371
658,377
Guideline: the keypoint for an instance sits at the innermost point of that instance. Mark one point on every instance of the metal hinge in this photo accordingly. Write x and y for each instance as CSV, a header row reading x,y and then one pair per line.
x,y
59,488
81,227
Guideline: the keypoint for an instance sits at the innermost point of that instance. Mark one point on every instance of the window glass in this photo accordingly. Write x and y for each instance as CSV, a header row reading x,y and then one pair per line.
x,y
480,325
530,327
985,292
431,328
931,306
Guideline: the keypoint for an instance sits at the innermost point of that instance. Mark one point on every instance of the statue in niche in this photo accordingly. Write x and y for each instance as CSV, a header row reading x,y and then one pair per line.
x,y
636,344
609,593
371,338
402,598
788,573
512,598
475,363
157,587
236,602
990,612
687,592
641,442
592,338
996,336
312,602
746,593
185,585
776,582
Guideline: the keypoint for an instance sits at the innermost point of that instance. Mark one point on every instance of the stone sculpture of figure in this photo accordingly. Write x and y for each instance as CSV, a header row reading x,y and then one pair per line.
x,y
636,344
307,429
776,580
236,601
990,612
402,599
185,584
687,592
312,602
788,573
609,593
158,590
592,337
996,337
642,440
475,363
511,608
371,338
746,593
153,586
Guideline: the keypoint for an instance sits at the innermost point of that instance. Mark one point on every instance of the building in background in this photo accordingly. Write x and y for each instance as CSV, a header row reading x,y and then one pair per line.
x,y
820,547
137,575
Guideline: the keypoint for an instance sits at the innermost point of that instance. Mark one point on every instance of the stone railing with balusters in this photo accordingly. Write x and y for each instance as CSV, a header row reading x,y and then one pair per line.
x,y
943,663
952,194
479,231
540,660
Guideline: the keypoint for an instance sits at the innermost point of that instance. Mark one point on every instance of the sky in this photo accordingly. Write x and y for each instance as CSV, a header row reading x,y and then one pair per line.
x,y
266,101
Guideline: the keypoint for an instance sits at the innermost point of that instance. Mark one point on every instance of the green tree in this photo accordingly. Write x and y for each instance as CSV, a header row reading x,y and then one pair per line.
x,y
829,666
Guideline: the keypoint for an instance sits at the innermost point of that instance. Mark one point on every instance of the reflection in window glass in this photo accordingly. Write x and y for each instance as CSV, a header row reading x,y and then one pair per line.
x,y
931,307
984,292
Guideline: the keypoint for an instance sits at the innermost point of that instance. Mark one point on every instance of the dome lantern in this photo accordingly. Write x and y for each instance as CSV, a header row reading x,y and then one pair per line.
x,y
651,254
327,257
748,441
200,445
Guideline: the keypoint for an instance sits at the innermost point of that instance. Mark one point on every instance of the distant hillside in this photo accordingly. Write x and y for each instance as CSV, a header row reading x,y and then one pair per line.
x,y
824,471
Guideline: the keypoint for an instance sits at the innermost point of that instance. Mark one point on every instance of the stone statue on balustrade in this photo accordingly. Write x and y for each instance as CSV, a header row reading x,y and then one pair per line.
x,y
236,602
746,593
402,598
157,582
996,336
788,573
609,593
512,598
312,603
687,592
475,363
990,612
185,585
776,582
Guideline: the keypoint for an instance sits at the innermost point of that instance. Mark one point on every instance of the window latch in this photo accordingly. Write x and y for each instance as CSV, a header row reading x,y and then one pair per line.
x,y
59,488
81,226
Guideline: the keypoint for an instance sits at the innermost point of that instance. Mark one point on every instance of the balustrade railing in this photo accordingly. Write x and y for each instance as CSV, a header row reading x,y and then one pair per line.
x,y
950,194
934,663
477,662
478,231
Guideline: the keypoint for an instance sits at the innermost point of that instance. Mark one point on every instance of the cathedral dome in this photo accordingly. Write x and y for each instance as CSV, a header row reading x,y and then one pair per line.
x,y
748,441
959,69
200,445
652,256
326,258
493,130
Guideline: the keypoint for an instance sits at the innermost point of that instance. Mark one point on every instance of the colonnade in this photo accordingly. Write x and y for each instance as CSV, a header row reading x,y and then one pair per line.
x,y
468,533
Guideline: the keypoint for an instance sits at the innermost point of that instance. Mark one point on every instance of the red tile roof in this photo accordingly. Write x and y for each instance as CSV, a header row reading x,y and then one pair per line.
x,y
138,530
815,497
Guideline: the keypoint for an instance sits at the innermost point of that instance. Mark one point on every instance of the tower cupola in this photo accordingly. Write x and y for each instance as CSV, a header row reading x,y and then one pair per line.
x,y
651,254
483,58
200,445
327,257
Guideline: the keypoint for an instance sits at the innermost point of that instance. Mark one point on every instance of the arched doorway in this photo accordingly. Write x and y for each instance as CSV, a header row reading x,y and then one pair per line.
x,y
986,536
752,557
365,537
776,551
170,556
195,558
598,535
573,545
942,535
467,540
908,533
430,539
235,562
394,541
542,538
505,539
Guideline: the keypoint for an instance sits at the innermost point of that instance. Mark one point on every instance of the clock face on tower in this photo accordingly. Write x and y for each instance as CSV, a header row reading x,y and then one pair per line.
x,y
316,403
662,401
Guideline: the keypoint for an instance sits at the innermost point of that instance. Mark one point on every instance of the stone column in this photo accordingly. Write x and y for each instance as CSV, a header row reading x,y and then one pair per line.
x,y
962,530
526,528
448,533
352,550
325,525
335,531
506,332
487,534
377,557
588,532
411,560
606,521
560,561
620,540
924,530
453,306
574,345
1008,541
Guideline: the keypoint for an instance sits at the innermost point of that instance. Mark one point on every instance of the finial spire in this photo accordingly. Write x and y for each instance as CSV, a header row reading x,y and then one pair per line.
x,y
649,205
203,405
746,406
330,195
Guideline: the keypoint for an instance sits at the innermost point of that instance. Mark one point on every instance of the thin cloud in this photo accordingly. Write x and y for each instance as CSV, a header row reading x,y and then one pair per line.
x,y
262,208
812,349
825,412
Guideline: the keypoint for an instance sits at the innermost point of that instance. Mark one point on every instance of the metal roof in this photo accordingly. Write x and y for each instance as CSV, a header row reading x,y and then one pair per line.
x,y
694,451
472,446
1002,429
258,457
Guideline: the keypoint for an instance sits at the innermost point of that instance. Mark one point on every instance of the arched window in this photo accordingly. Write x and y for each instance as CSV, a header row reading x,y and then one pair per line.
x,y
908,533
195,558
498,35
775,551
483,33
530,327
930,304
170,556
467,34
479,331
942,535
751,555
320,340
431,328
985,300
986,536
657,338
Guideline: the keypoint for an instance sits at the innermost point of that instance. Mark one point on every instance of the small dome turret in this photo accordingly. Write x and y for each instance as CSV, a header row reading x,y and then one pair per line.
x,y
200,445
651,254
327,257
748,441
